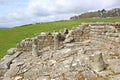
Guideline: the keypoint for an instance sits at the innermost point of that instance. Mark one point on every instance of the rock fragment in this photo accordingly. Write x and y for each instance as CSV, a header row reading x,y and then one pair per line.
x,y
56,41
99,64
35,47
11,51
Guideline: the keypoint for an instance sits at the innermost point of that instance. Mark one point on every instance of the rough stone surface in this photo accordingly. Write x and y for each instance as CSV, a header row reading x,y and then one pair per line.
x,y
11,51
74,60
56,41
69,40
99,64
12,71
35,50
7,60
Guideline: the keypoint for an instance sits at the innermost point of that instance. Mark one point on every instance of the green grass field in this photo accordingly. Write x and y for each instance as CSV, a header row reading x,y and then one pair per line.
x,y
10,37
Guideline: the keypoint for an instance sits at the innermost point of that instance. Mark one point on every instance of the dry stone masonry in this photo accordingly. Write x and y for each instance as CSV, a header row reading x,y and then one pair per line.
x,y
90,51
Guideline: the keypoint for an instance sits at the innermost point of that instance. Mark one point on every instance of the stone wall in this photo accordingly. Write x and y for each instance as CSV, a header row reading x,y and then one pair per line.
x,y
106,34
43,40
25,45
103,33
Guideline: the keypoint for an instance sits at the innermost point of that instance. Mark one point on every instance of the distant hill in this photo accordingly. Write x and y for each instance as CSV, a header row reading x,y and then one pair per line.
x,y
99,14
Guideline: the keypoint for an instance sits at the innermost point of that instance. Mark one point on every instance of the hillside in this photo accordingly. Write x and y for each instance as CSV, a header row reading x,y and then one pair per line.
x,y
99,14
10,37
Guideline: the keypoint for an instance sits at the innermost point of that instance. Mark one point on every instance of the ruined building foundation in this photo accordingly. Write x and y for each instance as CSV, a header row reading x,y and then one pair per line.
x,y
87,52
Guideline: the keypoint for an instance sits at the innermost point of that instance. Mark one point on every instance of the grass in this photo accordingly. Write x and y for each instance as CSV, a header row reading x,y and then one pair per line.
x,y
11,36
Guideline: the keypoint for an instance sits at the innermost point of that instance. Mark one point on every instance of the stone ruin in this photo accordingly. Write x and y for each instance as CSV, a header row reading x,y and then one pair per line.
x,y
90,51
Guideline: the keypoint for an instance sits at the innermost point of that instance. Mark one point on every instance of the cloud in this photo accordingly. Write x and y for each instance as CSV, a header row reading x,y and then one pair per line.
x,y
68,6
32,11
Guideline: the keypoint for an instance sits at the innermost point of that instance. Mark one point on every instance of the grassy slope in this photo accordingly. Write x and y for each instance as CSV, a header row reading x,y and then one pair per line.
x,y
10,37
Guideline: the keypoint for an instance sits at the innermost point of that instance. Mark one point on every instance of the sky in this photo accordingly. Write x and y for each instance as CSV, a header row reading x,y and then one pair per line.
x,y
20,12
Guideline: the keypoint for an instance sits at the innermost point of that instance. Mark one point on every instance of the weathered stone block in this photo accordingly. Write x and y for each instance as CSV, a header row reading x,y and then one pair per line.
x,y
99,64
56,41
35,50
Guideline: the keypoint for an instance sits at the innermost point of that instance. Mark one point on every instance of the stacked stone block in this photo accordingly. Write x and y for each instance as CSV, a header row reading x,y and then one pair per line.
x,y
43,40
25,45
106,34
103,33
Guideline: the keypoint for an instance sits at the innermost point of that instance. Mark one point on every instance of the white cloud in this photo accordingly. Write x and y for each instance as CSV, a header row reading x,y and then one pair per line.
x,y
67,6
50,10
